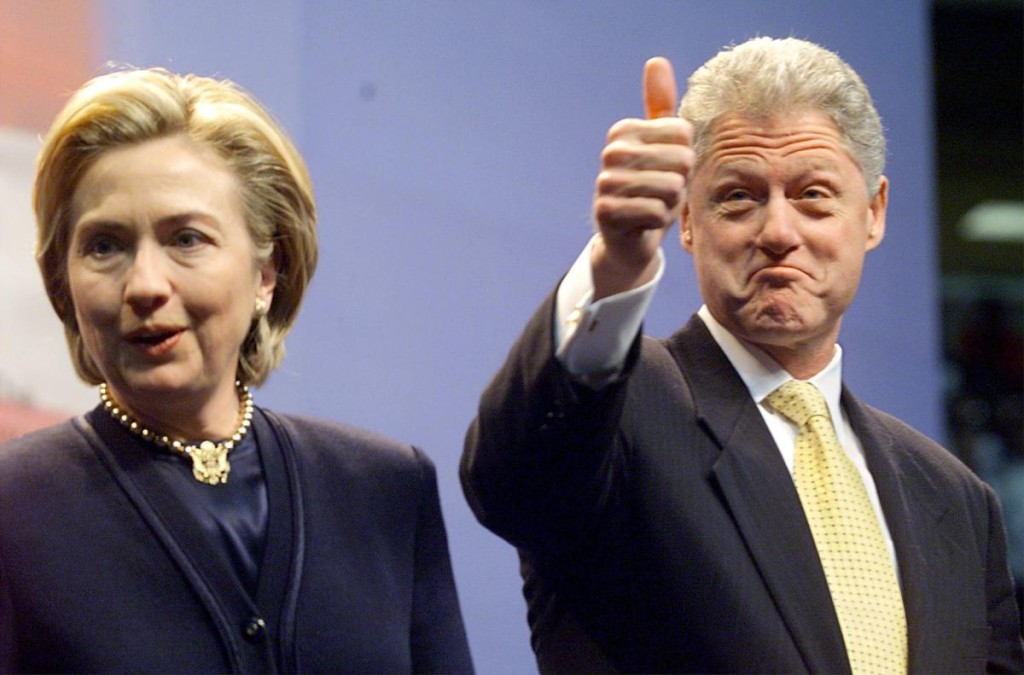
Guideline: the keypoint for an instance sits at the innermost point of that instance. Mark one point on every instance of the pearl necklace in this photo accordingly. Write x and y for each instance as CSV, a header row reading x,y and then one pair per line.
x,y
209,460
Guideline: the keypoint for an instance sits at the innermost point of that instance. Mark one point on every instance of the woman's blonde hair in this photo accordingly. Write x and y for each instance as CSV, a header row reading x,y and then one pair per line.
x,y
766,76
133,106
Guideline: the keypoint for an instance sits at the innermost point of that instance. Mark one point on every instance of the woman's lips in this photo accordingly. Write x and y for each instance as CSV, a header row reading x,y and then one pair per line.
x,y
156,342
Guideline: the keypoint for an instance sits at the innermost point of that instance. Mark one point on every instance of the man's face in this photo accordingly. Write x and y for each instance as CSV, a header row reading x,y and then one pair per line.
x,y
778,219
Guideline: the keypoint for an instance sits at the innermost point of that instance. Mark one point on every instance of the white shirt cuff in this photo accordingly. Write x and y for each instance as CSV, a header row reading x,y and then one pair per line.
x,y
592,339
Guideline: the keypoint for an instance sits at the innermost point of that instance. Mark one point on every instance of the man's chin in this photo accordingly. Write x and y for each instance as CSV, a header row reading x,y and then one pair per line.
x,y
775,316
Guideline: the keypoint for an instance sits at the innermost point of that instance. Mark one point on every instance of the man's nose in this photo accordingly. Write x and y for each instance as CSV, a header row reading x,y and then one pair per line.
x,y
779,232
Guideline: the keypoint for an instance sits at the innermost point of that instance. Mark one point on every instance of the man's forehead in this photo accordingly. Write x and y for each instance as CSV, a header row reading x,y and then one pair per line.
x,y
775,129
808,137
806,159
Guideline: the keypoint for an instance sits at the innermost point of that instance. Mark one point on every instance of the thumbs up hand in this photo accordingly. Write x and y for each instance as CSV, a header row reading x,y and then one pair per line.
x,y
641,187
660,94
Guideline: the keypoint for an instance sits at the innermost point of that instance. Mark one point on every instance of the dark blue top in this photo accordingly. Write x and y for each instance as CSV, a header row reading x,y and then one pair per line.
x,y
233,514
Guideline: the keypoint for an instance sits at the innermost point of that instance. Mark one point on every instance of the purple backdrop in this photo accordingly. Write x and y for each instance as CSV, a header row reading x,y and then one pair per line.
x,y
454,146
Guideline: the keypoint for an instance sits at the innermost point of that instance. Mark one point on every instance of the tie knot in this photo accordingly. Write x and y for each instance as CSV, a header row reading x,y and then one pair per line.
x,y
798,401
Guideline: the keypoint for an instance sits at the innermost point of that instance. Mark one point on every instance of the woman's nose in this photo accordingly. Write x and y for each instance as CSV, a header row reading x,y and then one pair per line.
x,y
148,285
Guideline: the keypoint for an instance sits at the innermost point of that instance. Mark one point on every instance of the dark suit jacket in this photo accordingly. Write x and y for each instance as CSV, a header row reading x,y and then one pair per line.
x,y
100,572
660,530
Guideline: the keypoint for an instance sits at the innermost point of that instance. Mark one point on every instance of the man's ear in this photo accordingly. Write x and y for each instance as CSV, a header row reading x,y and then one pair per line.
x,y
876,215
686,228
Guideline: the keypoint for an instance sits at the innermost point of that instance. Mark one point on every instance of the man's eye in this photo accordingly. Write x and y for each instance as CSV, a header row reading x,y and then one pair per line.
x,y
817,192
187,239
737,196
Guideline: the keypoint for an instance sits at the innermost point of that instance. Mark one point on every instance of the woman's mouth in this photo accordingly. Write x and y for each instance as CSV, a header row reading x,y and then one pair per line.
x,y
154,342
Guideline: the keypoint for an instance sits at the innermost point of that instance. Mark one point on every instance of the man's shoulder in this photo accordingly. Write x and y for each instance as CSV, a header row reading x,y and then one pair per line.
x,y
928,455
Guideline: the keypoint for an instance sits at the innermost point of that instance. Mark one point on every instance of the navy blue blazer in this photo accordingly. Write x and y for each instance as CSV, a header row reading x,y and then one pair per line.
x,y
660,531
99,571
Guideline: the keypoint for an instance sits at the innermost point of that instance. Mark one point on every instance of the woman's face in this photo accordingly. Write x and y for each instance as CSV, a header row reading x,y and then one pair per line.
x,y
163,275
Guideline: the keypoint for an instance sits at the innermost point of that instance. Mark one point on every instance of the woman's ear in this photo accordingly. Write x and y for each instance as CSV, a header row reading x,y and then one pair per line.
x,y
267,282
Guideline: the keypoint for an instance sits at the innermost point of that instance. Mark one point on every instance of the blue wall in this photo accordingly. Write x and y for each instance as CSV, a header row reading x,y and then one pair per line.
x,y
454,147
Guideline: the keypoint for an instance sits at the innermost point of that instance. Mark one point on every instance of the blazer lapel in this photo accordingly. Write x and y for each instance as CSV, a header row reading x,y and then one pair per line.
x,y
928,561
281,567
206,568
759,492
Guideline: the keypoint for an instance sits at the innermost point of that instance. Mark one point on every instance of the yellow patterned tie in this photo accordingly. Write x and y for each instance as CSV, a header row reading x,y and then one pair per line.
x,y
859,569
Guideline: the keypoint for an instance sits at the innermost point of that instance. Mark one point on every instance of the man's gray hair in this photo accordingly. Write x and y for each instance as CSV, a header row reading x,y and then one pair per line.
x,y
764,77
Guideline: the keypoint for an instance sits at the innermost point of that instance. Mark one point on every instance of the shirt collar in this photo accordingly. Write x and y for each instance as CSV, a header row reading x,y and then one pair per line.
x,y
762,374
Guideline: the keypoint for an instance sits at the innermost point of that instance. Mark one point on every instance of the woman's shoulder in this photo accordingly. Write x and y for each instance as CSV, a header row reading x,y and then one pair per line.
x,y
328,440
42,460
40,442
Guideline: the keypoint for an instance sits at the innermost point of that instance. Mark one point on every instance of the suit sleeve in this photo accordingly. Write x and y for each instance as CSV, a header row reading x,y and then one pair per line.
x,y
1006,648
541,456
438,638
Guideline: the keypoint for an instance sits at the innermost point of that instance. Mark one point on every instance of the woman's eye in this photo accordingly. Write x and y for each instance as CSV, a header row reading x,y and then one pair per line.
x,y
102,246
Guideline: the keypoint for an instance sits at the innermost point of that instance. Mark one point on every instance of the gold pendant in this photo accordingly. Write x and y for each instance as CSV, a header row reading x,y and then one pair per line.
x,y
209,462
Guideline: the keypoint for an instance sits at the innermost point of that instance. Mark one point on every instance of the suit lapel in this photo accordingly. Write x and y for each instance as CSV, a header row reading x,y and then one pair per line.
x,y
206,568
282,564
758,490
928,561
